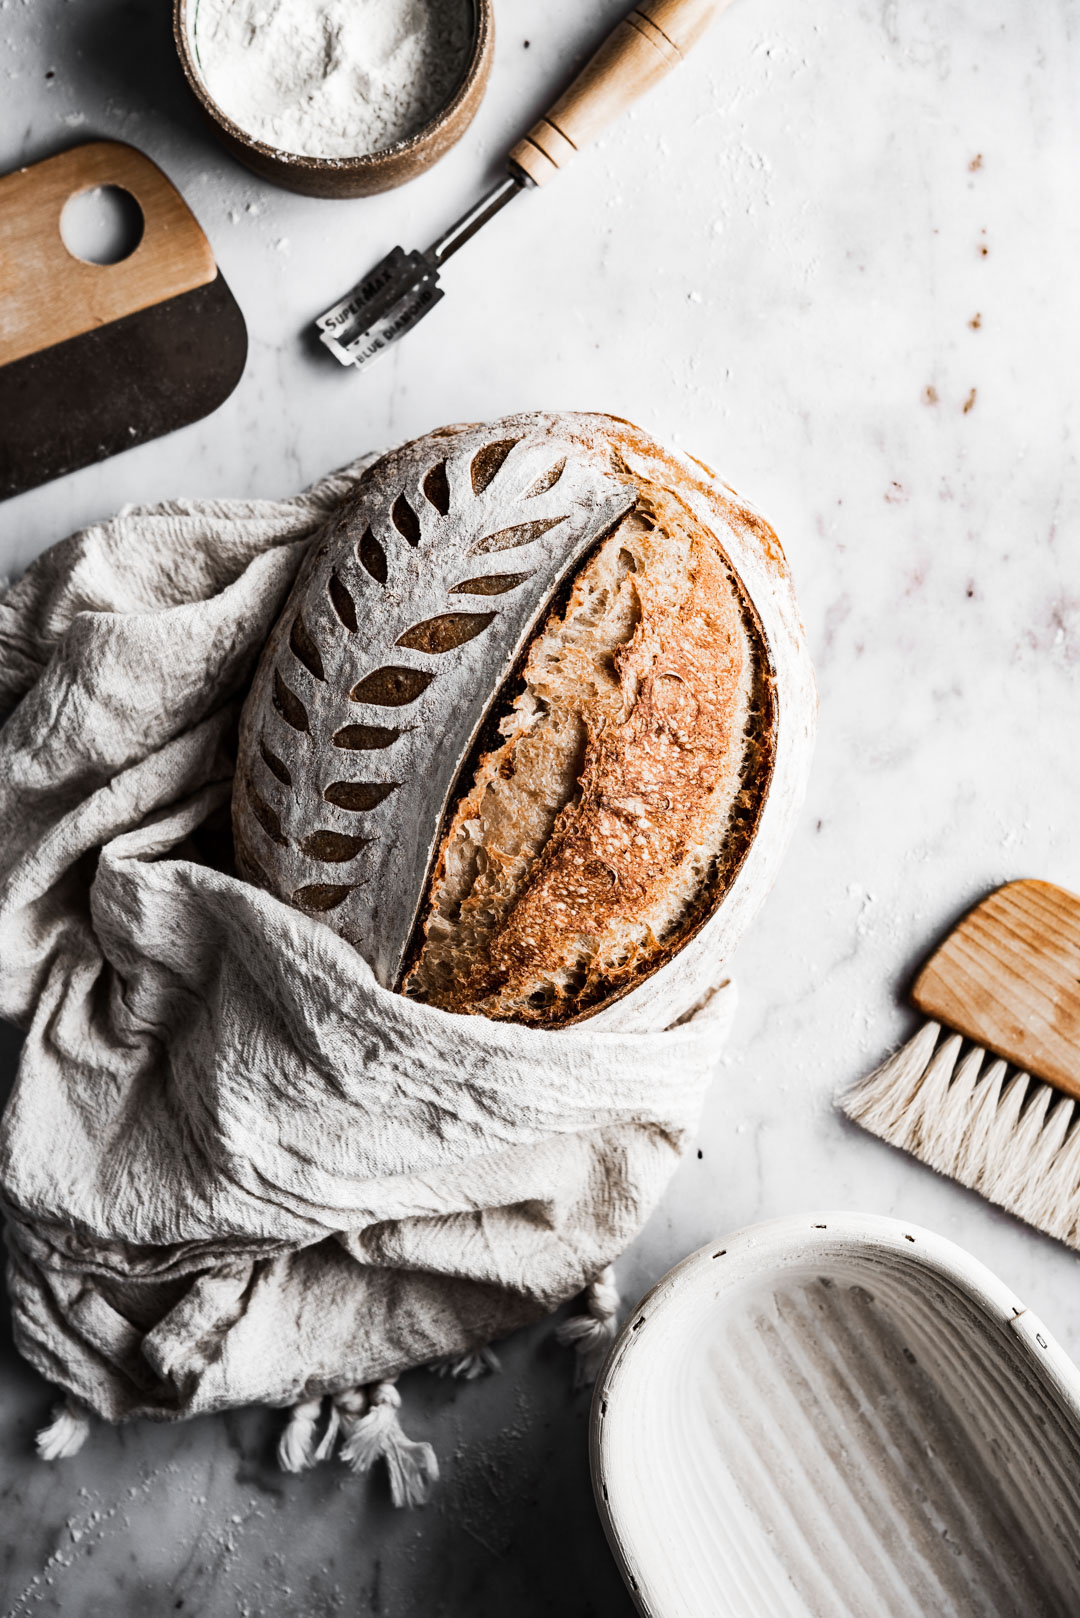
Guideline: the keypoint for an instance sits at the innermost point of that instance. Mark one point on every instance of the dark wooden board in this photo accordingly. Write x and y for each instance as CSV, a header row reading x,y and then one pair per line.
x,y
120,385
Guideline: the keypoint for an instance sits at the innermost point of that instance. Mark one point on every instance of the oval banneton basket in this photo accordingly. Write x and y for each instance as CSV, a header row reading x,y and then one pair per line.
x,y
839,1416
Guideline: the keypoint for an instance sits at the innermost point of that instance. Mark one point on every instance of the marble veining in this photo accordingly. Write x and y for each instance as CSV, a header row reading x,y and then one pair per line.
x,y
835,258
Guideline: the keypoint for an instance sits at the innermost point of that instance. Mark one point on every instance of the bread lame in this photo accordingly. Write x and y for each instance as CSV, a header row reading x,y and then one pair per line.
x,y
1006,980
641,49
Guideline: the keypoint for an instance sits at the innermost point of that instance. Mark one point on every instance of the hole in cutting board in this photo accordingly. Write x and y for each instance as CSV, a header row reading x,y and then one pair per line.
x,y
101,226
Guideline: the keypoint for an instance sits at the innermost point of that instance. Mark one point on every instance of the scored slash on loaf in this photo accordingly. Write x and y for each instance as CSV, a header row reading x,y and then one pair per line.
x,y
514,733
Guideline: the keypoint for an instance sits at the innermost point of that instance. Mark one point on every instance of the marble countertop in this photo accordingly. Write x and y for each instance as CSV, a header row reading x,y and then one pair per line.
x,y
836,259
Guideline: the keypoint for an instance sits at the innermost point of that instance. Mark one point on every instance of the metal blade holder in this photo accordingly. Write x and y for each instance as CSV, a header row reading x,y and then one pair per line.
x,y
403,286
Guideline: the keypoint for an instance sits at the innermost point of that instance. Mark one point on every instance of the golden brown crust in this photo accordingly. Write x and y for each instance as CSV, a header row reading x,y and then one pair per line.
x,y
654,783
643,786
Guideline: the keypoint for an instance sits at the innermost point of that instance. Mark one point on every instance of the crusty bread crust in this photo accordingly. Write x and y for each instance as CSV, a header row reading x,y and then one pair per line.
x,y
606,825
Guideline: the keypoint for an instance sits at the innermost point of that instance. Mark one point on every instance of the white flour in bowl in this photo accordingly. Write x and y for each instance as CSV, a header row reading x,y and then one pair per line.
x,y
332,78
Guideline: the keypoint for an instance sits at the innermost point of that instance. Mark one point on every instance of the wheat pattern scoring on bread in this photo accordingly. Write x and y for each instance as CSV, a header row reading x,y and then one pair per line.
x,y
380,671
513,730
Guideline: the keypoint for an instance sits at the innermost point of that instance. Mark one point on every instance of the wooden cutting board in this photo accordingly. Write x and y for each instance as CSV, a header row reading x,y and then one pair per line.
x,y
95,358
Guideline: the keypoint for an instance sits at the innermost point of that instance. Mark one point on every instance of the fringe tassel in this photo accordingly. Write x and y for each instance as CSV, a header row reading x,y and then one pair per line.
x,y
350,1407
67,1432
478,1362
591,1334
326,1443
413,1466
296,1450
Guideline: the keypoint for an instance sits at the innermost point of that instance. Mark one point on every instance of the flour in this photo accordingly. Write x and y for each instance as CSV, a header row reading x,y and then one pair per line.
x,y
332,78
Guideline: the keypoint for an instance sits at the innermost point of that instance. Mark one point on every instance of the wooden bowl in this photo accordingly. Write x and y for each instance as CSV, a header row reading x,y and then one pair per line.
x,y
346,176
842,1415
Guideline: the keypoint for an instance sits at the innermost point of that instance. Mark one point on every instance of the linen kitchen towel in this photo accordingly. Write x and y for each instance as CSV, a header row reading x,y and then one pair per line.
x,y
234,1168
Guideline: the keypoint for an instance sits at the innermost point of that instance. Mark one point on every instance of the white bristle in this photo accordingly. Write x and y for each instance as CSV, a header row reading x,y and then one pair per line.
x,y
932,1123
971,1154
1054,1197
1012,1138
948,1122
886,1097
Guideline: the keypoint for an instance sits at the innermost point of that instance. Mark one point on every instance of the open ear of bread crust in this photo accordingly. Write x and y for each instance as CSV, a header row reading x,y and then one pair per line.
x,y
607,906
757,560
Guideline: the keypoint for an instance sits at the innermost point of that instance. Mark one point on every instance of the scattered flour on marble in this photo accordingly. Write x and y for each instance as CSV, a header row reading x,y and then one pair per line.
x,y
492,1473
865,918
332,78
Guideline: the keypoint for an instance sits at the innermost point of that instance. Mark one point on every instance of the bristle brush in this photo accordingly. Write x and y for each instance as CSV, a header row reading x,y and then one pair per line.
x,y
1001,1116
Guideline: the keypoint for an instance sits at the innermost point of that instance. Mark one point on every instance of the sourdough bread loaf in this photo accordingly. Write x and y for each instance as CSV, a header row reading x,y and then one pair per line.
x,y
514,734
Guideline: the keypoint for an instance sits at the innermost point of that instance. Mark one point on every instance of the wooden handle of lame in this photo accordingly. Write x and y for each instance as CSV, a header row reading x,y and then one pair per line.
x,y
640,50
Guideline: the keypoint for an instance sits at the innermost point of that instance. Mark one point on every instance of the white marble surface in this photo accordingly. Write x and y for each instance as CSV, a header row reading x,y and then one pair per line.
x,y
801,259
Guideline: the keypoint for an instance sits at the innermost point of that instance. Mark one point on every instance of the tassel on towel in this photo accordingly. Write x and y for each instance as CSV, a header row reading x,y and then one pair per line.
x,y
349,1408
591,1334
467,1367
412,1465
368,1426
296,1450
67,1432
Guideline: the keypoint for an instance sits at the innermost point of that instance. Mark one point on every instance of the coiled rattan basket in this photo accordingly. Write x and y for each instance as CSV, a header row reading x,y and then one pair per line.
x,y
839,1416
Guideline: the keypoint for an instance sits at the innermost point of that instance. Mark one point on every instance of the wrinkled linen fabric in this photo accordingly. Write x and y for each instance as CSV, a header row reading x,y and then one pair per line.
x,y
234,1168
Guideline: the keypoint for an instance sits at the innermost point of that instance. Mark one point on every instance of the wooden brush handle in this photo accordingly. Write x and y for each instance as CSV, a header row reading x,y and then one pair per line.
x,y
1008,977
640,50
